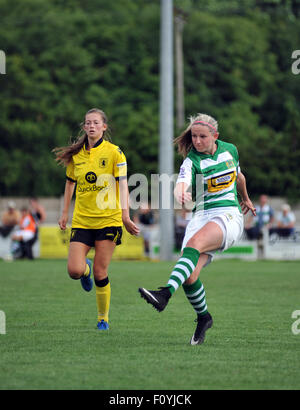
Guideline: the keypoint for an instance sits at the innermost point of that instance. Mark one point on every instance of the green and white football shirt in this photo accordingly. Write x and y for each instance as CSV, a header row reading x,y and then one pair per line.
x,y
212,177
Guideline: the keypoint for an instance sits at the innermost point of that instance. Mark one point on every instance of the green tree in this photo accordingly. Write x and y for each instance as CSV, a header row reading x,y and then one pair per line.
x,y
249,87
66,56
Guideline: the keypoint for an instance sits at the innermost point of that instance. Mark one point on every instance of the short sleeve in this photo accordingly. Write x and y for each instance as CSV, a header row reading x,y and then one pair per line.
x,y
120,166
185,172
236,157
70,171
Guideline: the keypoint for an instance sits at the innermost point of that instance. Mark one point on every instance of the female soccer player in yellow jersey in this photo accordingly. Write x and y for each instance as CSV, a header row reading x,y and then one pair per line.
x,y
98,169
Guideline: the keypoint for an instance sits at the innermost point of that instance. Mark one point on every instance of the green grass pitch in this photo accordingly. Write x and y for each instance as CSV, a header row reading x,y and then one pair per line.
x,y
51,340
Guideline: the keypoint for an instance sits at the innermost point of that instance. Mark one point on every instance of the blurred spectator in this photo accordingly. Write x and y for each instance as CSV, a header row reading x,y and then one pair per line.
x,y
37,211
285,222
10,218
24,238
181,220
264,218
145,221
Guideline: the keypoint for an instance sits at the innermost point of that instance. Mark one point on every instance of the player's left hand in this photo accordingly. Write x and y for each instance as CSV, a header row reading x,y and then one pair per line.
x,y
131,227
246,206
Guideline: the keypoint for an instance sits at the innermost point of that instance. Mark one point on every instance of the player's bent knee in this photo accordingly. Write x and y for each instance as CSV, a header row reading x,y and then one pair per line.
x,y
74,273
196,244
100,274
100,277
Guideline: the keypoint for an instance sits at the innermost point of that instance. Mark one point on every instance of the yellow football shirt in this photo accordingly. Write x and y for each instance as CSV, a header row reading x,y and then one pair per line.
x,y
96,173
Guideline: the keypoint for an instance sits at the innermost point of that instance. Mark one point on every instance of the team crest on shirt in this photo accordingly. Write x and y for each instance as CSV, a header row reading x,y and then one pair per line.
x,y
220,182
230,164
103,162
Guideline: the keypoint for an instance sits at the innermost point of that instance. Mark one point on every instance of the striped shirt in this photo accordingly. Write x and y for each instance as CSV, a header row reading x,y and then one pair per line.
x,y
212,178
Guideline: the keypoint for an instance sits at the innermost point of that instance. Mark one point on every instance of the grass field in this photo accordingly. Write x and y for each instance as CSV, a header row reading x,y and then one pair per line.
x,y
51,340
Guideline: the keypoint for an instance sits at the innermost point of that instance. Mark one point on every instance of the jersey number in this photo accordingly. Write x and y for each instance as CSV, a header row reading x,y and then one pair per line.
x,y
106,197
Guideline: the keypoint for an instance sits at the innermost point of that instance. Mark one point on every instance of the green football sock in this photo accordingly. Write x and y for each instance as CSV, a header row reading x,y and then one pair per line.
x,y
196,296
183,268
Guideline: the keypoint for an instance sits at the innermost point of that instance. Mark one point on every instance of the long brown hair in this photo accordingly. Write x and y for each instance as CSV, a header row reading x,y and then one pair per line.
x,y
184,141
63,155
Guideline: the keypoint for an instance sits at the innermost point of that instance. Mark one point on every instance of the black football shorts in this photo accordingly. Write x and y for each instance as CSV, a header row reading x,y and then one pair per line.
x,y
89,236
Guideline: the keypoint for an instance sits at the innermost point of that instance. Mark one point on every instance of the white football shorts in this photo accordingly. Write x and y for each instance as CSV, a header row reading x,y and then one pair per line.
x,y
26,235
230,220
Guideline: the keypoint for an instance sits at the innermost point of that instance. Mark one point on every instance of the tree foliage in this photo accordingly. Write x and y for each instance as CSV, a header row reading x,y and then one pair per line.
x,y
65,57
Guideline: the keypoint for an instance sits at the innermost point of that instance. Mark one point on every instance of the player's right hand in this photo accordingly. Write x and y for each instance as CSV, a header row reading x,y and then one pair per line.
x,y
183,197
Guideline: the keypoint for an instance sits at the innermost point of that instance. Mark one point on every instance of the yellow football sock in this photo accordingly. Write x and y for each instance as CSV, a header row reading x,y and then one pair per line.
x,y
103,299
87,270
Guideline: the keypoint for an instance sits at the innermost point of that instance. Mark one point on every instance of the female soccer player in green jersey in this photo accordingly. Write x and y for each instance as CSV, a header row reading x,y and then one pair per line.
x,y
98,169
210,175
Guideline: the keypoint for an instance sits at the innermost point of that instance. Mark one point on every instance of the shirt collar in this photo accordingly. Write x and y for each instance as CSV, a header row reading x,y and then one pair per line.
x,y
100,140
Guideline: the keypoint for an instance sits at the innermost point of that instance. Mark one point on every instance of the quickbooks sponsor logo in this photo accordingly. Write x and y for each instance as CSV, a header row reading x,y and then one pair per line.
x,y
92,188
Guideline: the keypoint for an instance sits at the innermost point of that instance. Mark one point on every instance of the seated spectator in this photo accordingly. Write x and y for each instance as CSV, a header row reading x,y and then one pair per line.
x,y
145,220
285,222
10,218
24,238
264,218
39,214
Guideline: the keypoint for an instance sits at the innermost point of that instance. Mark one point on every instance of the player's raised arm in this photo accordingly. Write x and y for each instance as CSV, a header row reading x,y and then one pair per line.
x,y
181,194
